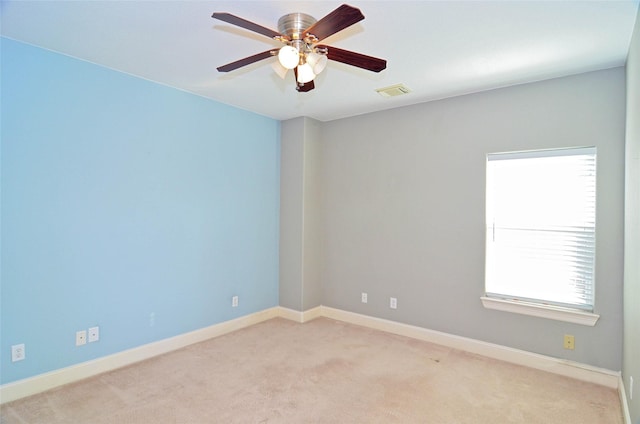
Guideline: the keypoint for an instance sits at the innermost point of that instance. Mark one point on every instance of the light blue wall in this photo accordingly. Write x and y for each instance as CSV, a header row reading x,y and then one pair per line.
x,y
122,198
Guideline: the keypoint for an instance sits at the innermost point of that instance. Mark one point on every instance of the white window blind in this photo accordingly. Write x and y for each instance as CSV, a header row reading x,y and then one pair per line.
x,y
541,213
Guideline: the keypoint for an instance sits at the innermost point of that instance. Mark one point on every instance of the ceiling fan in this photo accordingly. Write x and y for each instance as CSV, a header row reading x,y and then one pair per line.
x,y
301,52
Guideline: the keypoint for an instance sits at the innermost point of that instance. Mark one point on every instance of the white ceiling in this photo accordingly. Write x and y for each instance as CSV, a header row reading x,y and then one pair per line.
x,y
436,48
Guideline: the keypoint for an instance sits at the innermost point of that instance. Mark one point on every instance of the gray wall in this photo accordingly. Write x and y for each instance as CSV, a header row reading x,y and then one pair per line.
x,y
312,285
291,212
299,202
402,209
631,353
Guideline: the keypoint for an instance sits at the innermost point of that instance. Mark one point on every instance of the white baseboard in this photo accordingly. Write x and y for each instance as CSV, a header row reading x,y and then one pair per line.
x,y
299,316
623,401
50,380
563,367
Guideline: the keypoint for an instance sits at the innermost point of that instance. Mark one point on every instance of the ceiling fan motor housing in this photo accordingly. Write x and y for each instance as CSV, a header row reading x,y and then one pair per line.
x,y
293,24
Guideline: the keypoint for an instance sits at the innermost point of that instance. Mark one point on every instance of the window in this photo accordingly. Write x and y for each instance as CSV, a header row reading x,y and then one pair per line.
x,y
540,241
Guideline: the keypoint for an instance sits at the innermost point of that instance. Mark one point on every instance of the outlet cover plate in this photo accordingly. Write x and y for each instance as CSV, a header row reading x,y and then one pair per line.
x,y
569,342
17,352
81,337
94,334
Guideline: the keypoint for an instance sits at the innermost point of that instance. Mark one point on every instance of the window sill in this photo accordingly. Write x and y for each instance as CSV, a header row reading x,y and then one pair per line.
x,y
543,311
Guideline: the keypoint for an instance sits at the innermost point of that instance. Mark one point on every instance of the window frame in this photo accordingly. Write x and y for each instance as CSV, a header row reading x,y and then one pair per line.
x,y
538,307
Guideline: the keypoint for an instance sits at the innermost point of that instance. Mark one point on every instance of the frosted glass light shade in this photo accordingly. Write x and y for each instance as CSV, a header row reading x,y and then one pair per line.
x,y
317,62
279,69
288,57
305,73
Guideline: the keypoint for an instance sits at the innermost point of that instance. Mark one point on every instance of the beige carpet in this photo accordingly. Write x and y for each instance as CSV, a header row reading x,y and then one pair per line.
x,y
323,371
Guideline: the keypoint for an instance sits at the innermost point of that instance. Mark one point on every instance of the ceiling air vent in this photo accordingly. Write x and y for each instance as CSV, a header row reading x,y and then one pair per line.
x,y
394,90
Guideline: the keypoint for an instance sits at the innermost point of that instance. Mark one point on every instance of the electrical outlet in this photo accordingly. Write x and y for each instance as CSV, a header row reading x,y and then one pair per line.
x,y
630,387
393,303
17,352
94,334
569,342
234,301
364,298
81,337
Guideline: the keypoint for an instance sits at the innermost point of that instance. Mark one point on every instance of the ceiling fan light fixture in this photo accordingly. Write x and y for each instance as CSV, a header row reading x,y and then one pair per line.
x,y
317,61
288,57
305,73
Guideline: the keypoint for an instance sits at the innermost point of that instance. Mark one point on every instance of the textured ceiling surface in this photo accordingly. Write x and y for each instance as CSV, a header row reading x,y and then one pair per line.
x,y
438,49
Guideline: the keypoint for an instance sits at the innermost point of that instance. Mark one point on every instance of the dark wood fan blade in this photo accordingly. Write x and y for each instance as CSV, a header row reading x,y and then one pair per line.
x,y
355,59
247,61
303,88
341,18
243,23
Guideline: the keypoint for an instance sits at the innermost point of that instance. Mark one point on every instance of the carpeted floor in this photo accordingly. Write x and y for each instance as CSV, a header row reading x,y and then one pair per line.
x,y
323,371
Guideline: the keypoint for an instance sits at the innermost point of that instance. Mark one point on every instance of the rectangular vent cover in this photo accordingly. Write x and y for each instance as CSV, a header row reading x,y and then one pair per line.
x,y
394,90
